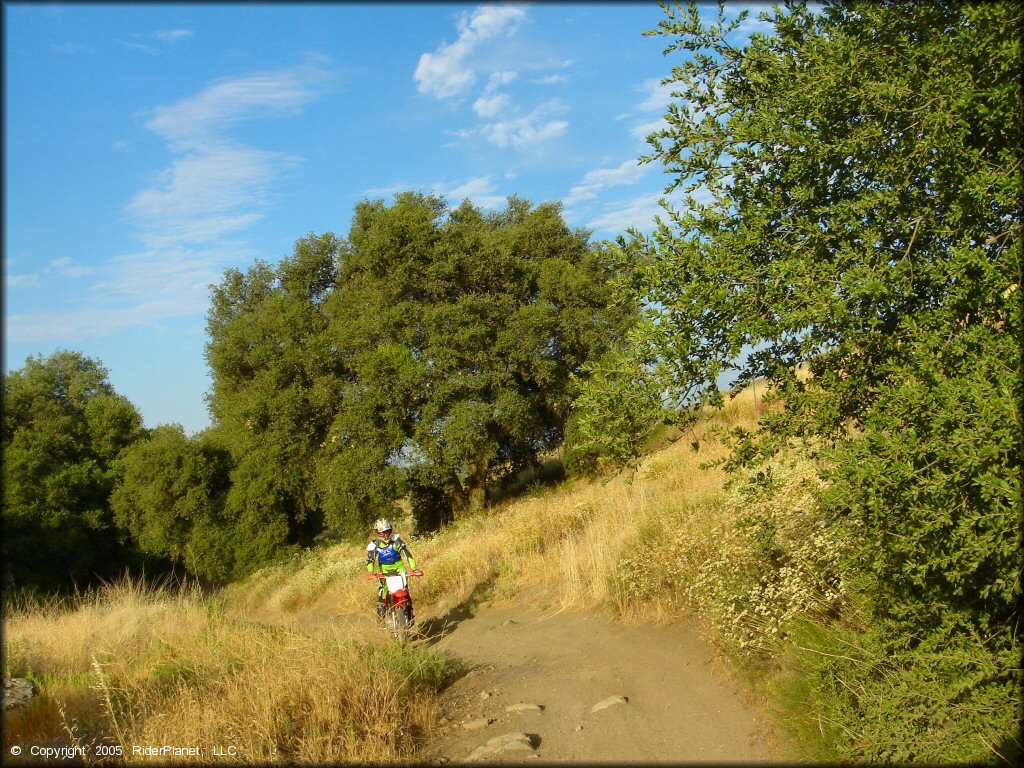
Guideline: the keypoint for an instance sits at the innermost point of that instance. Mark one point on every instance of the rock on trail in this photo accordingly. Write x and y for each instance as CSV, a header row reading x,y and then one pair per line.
x,y
576,686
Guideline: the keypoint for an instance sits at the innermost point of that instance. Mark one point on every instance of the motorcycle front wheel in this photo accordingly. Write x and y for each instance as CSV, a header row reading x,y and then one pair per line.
x,y
398,624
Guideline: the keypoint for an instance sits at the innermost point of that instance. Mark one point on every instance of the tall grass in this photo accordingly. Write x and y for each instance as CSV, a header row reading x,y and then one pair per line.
x,y
752,559
130,665
568,542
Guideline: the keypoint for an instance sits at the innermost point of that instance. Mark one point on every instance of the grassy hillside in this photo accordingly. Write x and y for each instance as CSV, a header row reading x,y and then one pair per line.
x,y
568,541
261,664
277,665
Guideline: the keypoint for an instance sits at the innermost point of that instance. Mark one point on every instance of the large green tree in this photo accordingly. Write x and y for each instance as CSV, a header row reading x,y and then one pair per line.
x,y
64,427
428,354
847,196
170,497
275,390
460,330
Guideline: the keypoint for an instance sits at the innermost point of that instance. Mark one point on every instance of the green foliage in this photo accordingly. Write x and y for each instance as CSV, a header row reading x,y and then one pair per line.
x,y
833,215
171,498
617,407
932,490
460,330
64,427
425,356
943,702
275,383
849,199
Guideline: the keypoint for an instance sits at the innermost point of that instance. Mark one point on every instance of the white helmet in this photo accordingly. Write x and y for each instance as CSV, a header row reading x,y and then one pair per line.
x,y
383,527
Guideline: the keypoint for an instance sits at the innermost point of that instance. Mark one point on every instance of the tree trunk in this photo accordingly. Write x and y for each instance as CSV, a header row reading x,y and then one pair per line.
x,y
460,499
478,485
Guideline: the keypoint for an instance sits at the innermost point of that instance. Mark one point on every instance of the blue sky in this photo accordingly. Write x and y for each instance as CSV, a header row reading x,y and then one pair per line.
x,y
147,148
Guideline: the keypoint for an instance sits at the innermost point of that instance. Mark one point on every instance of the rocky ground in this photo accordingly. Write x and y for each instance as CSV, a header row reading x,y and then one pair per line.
x,y
543,685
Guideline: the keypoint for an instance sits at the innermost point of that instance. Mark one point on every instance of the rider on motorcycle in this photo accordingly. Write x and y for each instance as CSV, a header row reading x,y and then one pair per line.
x,y
387,551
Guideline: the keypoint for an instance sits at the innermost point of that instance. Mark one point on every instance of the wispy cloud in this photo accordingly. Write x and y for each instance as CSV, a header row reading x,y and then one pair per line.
x,y
217,185
153,42
191,218
173,35
136,289
657,96
387,191
450,71
599,179
645,129
199,119
211,191
752,24
649,114
492,103
66,267
480,191
521,132
68,49
30,280
639,212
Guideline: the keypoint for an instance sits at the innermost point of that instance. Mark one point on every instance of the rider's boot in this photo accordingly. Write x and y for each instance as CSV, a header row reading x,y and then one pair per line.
x,y
381,610
408,614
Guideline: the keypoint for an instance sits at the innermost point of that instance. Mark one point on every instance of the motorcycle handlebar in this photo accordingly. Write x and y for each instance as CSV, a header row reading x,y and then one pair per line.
x,y
372,576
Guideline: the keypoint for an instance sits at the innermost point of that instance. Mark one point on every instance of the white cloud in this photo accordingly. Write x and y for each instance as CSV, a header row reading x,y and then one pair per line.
x,y
214,187
490,106
207,193
480,191
141,42
521,132
160,274
67,49
65,267
658,96
599,179
145,48
752,24
498,79
452,70
196,120
449,71
32,280
387,191
172,35
646,128
638,212
136,289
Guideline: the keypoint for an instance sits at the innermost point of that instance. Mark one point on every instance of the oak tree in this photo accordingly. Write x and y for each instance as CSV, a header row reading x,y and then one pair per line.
x,y
64,428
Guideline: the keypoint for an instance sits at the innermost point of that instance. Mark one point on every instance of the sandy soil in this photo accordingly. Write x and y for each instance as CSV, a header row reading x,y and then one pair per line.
x,y
680,705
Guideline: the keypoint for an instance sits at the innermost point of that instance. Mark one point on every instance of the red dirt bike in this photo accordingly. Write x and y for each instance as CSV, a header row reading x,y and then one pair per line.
x,y
396,602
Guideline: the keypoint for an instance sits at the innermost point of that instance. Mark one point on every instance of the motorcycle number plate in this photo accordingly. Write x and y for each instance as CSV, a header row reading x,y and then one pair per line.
x,y
395,583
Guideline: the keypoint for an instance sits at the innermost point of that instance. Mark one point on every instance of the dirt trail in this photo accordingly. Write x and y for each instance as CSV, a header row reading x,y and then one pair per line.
x,y
678,707
681,705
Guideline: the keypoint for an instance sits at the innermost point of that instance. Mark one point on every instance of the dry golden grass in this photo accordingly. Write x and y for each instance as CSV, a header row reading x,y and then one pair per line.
x,y
173,667
136,666
566,542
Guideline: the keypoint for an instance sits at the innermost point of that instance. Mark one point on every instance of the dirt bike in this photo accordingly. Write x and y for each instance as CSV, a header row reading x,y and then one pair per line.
x,y
396,602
